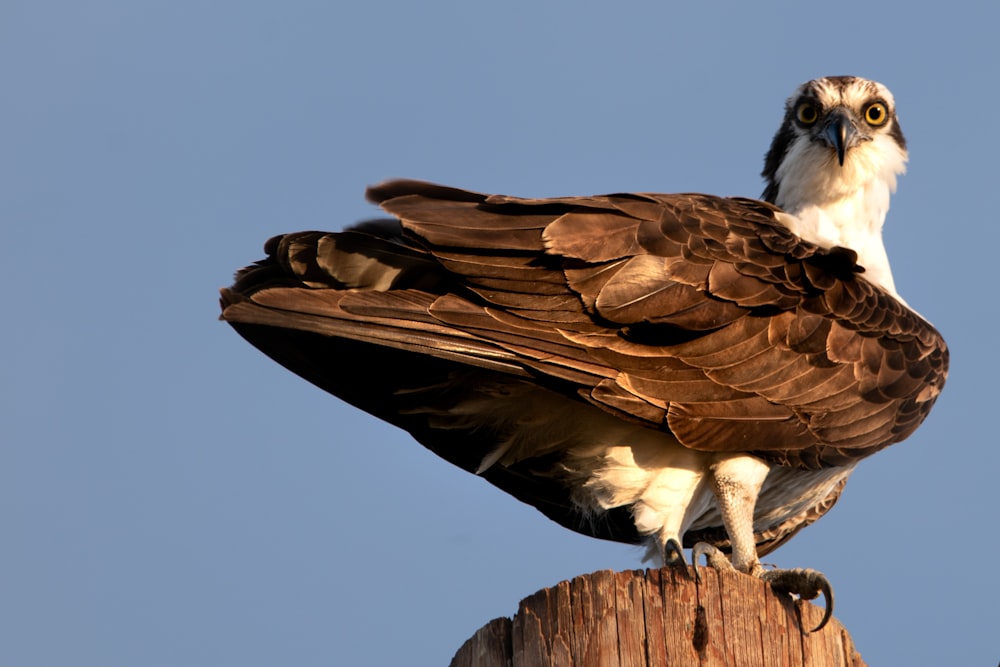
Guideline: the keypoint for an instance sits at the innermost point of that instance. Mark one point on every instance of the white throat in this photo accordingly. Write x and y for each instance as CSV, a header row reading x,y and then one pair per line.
x,y
833,205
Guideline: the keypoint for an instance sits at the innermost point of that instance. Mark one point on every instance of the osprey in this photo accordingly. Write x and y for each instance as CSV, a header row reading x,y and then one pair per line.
x,y
675,369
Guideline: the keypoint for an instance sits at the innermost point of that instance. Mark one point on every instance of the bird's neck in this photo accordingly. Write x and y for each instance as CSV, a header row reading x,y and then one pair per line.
x,y
843,206
853,222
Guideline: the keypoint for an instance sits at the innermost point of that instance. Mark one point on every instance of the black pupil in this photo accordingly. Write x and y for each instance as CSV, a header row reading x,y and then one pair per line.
x,y
875,114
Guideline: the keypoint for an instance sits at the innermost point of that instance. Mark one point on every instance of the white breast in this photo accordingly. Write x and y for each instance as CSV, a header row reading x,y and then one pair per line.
x,y
830,205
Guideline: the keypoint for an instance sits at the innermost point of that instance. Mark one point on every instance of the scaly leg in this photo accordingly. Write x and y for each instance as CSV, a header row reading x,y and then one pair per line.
x,y
736,483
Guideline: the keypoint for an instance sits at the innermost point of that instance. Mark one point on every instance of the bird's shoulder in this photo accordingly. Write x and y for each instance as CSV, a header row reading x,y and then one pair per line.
x,y
619,252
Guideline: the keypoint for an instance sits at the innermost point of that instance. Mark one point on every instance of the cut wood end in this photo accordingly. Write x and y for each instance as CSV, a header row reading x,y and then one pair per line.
x,y
660,617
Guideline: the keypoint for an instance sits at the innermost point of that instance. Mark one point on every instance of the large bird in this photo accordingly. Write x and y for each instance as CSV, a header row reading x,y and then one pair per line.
x,y
675,369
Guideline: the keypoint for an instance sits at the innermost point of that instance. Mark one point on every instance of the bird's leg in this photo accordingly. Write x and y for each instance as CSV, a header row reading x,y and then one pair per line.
x,y
736,483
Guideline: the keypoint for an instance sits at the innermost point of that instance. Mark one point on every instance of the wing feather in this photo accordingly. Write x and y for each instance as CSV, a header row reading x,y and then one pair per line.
x,y
702,315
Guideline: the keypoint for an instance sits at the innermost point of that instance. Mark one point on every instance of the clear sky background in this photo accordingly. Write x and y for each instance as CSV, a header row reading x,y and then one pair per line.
x,y
169,496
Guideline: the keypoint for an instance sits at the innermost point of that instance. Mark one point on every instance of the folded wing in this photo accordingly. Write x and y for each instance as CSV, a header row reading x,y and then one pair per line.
x,y
695,314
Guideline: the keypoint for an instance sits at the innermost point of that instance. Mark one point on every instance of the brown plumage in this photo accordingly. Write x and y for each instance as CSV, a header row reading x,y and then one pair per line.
x,y
699,316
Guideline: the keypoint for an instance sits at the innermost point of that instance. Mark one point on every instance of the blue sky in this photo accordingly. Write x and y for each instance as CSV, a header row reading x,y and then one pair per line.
x,y
169,496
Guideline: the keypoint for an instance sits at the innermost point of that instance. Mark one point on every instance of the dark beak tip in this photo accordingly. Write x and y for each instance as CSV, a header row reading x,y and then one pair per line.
x,y
840,133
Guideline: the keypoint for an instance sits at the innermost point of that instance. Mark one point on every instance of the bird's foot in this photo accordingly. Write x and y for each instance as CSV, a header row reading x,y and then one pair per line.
x,y
805,583
715,558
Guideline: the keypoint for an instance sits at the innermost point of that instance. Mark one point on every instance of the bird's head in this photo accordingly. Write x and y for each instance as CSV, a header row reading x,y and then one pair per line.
x,y
833,165
839,134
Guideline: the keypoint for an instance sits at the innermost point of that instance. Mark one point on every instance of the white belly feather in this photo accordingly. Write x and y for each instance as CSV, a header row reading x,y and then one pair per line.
x,y
611,463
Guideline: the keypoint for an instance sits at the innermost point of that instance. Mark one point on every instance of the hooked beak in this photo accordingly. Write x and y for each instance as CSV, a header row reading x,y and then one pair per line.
x,y
840,132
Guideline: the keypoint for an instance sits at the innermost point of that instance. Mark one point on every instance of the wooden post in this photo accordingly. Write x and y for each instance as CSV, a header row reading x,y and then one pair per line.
x,y
657,618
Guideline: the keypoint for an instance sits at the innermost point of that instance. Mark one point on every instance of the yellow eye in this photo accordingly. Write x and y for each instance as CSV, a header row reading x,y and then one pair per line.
x,y
806,113
876,114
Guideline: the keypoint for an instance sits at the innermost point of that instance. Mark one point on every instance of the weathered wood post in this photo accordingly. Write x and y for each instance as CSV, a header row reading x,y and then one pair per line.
x,y
658,618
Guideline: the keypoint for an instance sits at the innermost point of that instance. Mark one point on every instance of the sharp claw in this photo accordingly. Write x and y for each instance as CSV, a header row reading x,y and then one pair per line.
x,y
673,554
713,557
827,590
805,583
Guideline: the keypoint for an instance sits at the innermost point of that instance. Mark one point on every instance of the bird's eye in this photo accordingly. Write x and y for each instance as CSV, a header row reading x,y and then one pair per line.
x,y
806,113
876,114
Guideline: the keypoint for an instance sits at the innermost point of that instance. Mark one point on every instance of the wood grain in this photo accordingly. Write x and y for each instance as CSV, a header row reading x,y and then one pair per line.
x,y
660,617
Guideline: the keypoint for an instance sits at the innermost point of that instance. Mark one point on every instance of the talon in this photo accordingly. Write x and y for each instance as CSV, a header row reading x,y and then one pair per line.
x,y
673,554
805,583
713,557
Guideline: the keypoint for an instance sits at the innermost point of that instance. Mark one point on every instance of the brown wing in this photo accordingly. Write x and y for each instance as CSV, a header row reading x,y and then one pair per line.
x,y
695,314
